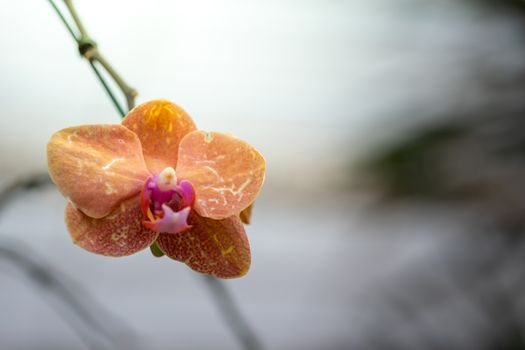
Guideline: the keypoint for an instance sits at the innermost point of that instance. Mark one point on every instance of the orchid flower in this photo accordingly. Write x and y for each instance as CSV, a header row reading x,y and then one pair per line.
x,y
156,179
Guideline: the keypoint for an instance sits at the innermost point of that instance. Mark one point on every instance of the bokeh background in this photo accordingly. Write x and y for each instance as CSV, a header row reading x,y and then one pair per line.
x,y
393,211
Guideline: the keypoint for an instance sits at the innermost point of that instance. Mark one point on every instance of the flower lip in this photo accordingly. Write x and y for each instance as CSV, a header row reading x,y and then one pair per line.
x,y
166,203
171,221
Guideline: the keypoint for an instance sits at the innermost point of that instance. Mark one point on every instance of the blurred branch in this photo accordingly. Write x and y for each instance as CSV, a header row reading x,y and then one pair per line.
x,y
89,50
80,307
488,282
229,310
510,5
27,183
82,313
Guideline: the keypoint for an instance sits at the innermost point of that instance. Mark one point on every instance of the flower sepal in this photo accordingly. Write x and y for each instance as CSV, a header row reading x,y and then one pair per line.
x,y
155,250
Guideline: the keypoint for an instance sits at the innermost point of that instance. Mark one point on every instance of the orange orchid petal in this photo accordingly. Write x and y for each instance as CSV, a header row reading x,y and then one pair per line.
x,y
160,126
119,234
96,166
215,247
226,173
246,215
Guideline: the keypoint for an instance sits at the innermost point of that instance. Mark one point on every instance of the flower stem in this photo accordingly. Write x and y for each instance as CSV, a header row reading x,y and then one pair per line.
x,y
63,19
89,50
74,15
107,88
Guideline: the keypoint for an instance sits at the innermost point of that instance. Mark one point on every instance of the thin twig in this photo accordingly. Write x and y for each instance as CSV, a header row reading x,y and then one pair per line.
x,y
89,50
107,89
74,15
63,19
128,91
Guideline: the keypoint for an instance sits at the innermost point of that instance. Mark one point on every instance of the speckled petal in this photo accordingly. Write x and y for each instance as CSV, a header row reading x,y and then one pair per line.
x,y
225,172
160,125
214,247
96,166
119,234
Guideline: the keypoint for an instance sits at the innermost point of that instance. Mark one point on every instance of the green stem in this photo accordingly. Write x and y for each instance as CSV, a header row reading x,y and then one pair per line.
x,y
63,19
107,88
128,91
74,15
89,50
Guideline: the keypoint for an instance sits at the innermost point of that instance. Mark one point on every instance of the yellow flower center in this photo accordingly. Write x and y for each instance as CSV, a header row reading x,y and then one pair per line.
x,y
167,179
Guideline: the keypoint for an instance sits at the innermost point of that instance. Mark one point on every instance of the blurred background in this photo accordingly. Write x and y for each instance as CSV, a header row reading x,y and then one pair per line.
x,y
393,211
